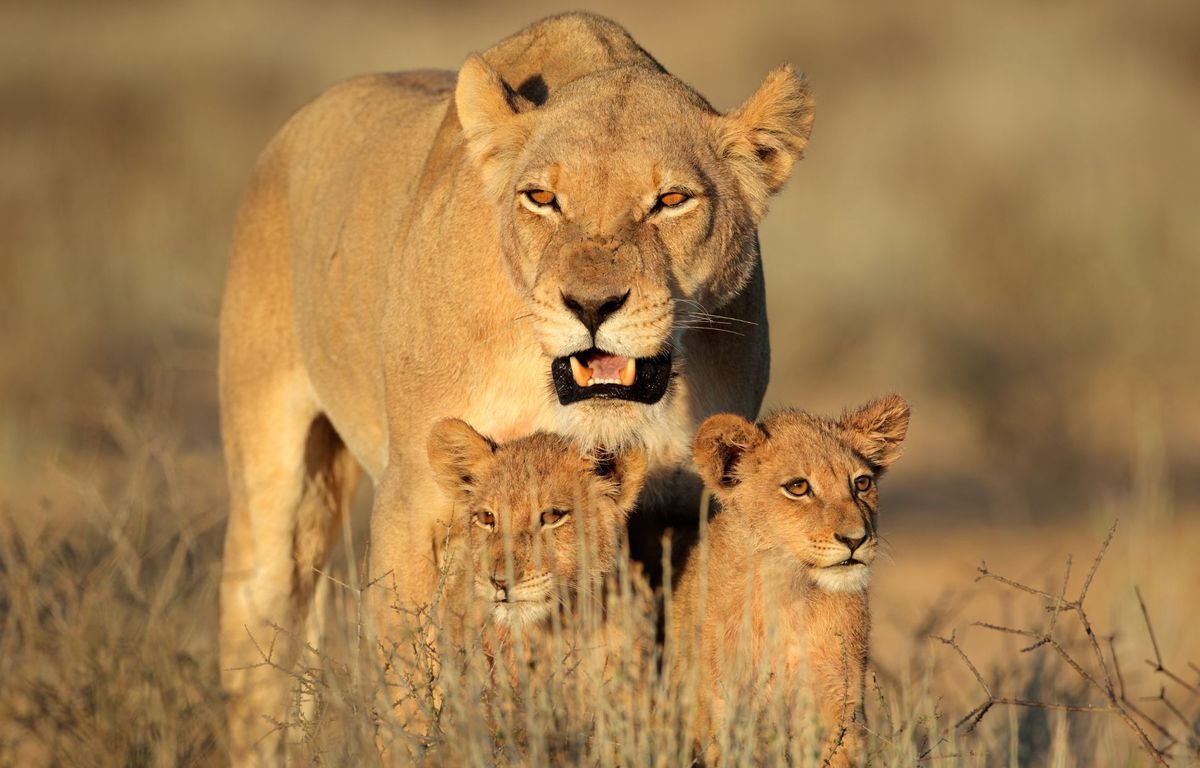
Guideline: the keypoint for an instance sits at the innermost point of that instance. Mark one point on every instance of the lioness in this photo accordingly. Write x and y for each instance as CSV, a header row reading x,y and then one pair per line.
x,y
777,596
561,236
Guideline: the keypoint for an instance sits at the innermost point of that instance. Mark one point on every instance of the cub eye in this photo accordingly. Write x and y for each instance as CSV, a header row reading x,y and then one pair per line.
x,y
672,199
552,518
541,197
795,489
863,483
485,520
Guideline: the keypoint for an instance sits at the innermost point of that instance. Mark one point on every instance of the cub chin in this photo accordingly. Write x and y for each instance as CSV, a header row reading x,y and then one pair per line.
x,y
772,605
538,525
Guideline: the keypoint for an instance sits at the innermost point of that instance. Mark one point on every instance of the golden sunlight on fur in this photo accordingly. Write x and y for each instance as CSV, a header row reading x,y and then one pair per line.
x,y
537,521
534,242
773,603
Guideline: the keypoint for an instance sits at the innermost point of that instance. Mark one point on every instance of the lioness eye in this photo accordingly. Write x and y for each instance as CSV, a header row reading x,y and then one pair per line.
x,y
672,199
540,197
863,483
485,520
553,517
796,488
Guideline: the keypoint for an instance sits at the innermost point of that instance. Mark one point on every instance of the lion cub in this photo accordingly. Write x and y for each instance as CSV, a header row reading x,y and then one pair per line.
x,y
775,603
538,521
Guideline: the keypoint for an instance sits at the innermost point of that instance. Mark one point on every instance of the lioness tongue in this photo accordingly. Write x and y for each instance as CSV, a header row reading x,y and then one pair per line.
x,y
604,369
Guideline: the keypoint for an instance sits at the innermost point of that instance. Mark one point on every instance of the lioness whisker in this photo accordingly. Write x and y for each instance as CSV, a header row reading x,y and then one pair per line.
x,y
705,317
709,328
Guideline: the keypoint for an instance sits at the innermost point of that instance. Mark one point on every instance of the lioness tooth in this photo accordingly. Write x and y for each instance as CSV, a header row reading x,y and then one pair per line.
x,y
629,372
579,372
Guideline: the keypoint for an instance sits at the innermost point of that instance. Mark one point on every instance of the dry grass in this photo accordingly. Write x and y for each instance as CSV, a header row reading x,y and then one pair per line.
x,y
109,656
996,218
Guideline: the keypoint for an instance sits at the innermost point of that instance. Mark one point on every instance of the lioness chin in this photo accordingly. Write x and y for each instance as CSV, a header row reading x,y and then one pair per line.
x,y
560,236
774,602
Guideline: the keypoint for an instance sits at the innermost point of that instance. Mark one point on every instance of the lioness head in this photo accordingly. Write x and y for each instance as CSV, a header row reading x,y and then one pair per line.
x,y
625,201
539,514
805,486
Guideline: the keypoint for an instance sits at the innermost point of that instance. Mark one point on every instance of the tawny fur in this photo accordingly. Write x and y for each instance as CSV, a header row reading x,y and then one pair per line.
x,y
538,526
763,599
385,274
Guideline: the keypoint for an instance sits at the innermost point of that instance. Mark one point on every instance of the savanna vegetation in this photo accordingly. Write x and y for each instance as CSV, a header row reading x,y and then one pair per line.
x,y
995,218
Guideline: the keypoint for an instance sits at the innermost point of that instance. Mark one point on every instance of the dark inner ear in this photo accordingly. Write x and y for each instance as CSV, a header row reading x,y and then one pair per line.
x,y
729,459
534,90
518,98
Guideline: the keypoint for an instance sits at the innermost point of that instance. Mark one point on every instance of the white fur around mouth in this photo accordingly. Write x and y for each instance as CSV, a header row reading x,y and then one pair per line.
x,y
842,578
604,369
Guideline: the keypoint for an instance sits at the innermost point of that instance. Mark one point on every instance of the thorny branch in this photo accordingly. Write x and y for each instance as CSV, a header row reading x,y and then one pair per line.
x,y
1157,664
1099,679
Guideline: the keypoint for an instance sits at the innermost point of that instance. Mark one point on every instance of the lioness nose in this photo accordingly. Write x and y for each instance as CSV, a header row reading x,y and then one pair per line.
x,y
498,581
852,543
592,311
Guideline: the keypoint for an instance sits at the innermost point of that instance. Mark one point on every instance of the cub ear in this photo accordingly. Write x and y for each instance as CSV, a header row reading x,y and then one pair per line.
x,y
456,454
489,112
877,429
721,442
624,469
763,138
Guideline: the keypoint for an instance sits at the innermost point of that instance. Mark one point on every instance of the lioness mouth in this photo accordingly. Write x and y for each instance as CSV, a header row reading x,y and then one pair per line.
x,y
850,561
594,373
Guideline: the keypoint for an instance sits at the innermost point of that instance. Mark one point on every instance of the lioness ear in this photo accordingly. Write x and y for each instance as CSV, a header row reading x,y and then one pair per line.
x,y
877,429
763,138
489,112
624,469
456,453
720,444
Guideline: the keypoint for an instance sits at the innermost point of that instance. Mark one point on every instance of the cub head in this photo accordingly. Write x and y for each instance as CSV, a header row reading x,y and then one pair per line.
x,y
625,201
806,486
540,515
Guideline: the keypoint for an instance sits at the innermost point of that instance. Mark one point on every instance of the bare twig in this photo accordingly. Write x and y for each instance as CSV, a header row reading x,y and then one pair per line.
x,y
975,715
1115,699
1087,583
1157,663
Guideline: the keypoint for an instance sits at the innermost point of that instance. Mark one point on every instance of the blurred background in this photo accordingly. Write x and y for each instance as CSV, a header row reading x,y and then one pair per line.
x,y
997,217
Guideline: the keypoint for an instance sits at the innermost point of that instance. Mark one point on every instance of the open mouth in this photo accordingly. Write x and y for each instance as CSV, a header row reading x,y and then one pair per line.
x,y
598,374
846,563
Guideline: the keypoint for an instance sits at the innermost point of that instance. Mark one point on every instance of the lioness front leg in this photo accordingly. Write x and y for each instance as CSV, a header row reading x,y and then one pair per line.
x,y
265,432
405,580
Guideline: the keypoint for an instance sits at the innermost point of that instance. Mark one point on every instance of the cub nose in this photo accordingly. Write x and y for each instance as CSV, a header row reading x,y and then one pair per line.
x,y
851,542
593,310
